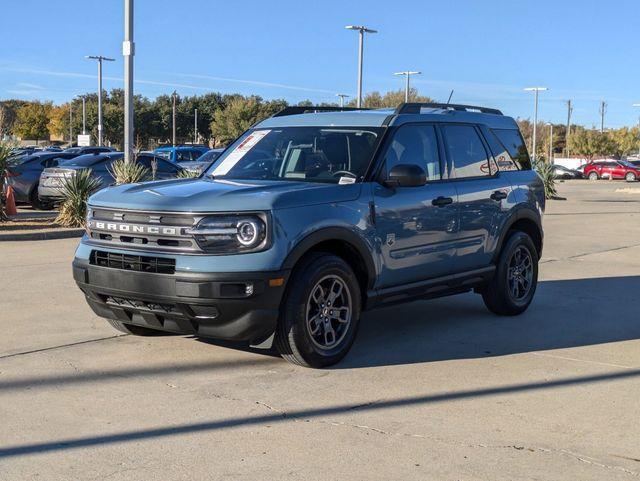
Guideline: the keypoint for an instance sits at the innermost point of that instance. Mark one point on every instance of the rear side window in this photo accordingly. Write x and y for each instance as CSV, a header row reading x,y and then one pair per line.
x,y
466,151
500,153
416,144
514,143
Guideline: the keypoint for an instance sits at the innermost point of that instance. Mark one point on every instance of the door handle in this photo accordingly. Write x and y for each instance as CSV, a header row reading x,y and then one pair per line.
x,y
442,201
498,195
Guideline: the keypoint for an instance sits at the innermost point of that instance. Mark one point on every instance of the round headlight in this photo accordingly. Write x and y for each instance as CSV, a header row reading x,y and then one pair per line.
x,y
248,232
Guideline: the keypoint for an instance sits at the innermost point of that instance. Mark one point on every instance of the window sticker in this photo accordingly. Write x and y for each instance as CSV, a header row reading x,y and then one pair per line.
x,y
346,180
240,151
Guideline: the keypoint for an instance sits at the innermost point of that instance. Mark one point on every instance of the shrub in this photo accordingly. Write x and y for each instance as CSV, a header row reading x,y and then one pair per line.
x,y
76,190
128,172
548,176
188,174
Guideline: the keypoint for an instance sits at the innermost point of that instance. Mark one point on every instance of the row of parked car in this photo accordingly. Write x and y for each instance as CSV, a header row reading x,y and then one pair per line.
x,y
37,176
628,170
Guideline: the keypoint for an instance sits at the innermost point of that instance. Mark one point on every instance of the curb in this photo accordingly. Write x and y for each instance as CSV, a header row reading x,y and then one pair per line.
x,y
46,235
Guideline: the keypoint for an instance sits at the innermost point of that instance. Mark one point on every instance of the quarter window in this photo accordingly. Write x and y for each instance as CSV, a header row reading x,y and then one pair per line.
x,y
466,151
513,142
416,144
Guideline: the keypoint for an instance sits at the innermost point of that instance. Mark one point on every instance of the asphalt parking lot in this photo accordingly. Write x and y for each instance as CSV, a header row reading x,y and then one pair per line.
x,y
436,389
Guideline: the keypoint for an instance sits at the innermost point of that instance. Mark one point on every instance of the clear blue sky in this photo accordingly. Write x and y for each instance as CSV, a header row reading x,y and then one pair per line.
x,y
486,50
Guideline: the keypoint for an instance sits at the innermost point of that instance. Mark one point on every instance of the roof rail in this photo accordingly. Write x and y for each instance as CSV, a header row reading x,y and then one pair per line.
x,y
415,107
300,109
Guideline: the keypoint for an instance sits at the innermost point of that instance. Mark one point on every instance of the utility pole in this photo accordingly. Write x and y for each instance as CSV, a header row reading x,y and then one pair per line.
x,y
638,105
568,132
603,109
84,115
407,88
361,31
174,95
536,90
195,127
342,97
100,59
128,51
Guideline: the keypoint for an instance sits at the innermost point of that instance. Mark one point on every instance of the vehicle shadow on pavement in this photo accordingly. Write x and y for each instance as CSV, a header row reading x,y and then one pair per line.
x,y
564,314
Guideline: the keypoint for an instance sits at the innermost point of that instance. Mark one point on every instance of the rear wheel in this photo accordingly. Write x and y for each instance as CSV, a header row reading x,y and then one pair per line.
x,y
630,177
320,312
36,203
593,176
135,330
512,288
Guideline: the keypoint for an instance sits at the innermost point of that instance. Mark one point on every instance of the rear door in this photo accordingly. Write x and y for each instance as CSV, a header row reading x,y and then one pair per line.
x,y
482,195
416,226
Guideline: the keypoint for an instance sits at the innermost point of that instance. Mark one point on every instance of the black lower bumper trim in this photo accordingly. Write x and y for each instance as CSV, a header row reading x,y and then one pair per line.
x,y
231,306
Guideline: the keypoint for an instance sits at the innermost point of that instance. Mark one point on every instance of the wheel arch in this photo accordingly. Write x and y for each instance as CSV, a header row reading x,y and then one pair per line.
x,y
342,242
525,220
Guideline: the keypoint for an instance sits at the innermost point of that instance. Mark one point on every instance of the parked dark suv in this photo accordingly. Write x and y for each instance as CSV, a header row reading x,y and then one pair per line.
x,y
313,216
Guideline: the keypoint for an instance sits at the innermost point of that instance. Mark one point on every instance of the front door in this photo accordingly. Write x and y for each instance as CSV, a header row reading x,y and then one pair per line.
x,y
416,226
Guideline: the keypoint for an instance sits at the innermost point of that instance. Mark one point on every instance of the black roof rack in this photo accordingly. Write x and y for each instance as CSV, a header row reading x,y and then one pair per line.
x,y
415,107
299,109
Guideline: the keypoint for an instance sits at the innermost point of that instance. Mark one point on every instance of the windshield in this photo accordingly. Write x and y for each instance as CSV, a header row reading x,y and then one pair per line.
x,y
311,154
165,154
626,163
209,156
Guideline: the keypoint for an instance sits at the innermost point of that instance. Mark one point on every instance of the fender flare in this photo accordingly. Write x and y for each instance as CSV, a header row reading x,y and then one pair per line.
x,y
334,234
523,213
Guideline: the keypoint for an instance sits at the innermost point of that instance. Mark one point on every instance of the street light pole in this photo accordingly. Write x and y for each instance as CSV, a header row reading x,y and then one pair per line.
x,y
407,88
551,143
536,90
174,95
84,115
195,127
638,105
342,97
100,59
71,124
128,51
361,31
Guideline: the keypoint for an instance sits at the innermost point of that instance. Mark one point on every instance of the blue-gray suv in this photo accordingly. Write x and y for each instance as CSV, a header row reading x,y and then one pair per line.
x,y
313,216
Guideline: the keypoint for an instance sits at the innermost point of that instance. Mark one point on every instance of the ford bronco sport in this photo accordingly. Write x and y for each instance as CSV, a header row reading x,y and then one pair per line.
x,y
313,216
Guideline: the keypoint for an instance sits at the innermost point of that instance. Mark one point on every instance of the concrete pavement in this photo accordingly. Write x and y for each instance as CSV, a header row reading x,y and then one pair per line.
x,y
436,389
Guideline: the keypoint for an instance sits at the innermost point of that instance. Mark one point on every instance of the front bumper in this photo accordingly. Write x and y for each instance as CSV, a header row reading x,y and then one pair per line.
x,y
50,193
207,305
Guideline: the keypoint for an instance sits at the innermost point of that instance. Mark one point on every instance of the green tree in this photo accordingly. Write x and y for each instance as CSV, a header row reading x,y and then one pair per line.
x,y
32,120
240,114
393,98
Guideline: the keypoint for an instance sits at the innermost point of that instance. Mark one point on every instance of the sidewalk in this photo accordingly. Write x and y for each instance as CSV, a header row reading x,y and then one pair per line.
x,y
30,224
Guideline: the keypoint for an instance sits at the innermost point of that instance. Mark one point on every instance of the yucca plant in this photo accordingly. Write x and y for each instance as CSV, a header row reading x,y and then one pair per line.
x,y
128,172
548,176
188,174
76,190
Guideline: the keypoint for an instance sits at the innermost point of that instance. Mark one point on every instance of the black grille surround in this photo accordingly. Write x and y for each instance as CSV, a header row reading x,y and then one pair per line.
x,y
127,262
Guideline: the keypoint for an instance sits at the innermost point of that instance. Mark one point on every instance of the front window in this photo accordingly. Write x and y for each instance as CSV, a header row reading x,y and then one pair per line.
x,y
308,154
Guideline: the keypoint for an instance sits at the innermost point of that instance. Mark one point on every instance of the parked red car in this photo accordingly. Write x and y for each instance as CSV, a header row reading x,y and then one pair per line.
x,y
617,169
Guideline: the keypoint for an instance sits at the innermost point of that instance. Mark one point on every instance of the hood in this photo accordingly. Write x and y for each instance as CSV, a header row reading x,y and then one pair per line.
x,y
208,195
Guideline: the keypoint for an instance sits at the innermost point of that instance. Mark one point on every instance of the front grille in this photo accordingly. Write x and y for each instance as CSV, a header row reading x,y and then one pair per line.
x,y
112,260
141,305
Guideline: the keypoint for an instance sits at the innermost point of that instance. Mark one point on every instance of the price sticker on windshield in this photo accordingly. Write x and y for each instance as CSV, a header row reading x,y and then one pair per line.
x,y
240,151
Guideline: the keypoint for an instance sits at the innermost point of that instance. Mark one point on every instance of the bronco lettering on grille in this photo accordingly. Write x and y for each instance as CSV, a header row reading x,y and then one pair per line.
x,y
132,228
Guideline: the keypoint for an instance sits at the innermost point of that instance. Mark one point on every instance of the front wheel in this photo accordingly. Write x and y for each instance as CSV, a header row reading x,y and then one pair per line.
x,y
593,176
320,312
514,283
630,177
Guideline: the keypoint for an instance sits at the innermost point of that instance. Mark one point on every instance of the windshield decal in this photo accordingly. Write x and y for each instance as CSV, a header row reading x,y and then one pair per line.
x,y
240,151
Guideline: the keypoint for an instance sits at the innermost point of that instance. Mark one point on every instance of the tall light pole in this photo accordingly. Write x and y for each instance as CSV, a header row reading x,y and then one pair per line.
x,y
71,124
100,59
128,51
550,142
174,95
566,137
407,74
342,97
84,115
195,126
361,31
603,110
535,115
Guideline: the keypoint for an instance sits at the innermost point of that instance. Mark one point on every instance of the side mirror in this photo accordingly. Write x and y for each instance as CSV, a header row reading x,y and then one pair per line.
x,y
406,175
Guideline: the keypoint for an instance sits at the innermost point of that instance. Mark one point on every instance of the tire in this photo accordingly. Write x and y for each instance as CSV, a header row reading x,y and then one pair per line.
x,y
499,295
135,330
303,307
593,176
35,201
630,177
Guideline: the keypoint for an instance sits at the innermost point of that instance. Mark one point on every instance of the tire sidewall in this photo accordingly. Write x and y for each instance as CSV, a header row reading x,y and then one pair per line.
x,y
516,240
592,176
295,308
630,177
